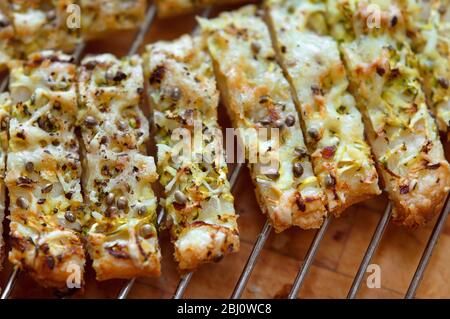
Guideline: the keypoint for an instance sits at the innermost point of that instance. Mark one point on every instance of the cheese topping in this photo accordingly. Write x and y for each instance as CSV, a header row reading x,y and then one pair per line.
x,y
199,204
121,220
428,26
258,97
334,129
40,25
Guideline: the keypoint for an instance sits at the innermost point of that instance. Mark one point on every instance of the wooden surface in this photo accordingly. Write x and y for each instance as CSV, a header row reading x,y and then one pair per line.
x,y
334,266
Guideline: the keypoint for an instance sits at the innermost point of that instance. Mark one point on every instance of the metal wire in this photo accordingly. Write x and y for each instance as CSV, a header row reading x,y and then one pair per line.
x,y
309,258
149,17
381,227
418,275
251,262
9,284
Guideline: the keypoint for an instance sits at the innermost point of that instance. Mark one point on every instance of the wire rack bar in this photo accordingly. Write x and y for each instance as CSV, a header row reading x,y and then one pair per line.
x,y
251,262
182,286
145,26
309,258
375,241
425,259
9,284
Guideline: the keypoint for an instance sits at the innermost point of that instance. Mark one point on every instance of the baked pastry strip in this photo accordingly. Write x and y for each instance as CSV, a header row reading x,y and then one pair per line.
x,y
117,173
199,204
100,16
385,81
258,100
341,158
41,25
5,109
428,24
43,170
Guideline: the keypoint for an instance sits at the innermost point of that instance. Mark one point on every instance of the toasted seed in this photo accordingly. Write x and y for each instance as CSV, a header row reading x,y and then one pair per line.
x,y
110,199
394,21
180,198
24,181
265,121
313,133
146,231
298,169
217,258
22,202
47,188
279,124
122,203
122,125
104,140
380,70
70,217
443,82
256,47
90,121
273,176
300,152
264,99
29,166
112,210
175,93
142,210
330,181
119,76
290,120
404,189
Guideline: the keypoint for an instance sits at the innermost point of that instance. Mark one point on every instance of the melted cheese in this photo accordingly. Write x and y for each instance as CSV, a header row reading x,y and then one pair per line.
x,y
258,97
428,24
43,169
403,135
40,25
183,95
121,220
314,67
